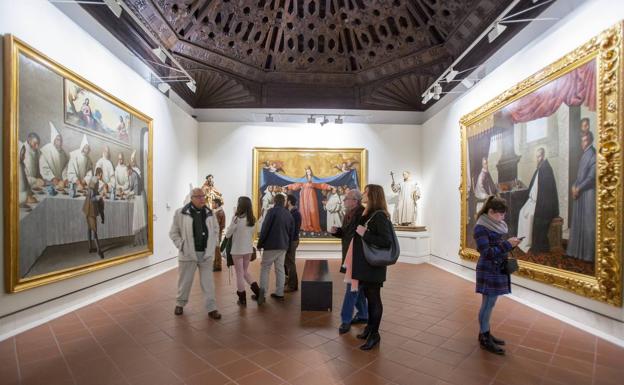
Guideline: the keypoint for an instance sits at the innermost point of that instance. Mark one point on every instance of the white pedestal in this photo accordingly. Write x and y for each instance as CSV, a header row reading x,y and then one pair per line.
x,y
415,246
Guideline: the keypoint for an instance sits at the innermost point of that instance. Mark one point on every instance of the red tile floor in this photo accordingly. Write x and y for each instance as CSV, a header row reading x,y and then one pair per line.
x,y
428,337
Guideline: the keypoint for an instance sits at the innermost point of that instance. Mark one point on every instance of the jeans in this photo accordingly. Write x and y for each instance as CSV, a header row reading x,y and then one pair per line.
x,y
487,305
351,299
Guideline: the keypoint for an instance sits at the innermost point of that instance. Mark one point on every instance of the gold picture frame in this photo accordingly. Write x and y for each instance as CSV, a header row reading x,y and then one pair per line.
x,y
346,163
605,284
20,57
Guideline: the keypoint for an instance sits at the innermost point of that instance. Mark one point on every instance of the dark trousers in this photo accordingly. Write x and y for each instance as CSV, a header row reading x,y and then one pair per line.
x,y
290,266
375,307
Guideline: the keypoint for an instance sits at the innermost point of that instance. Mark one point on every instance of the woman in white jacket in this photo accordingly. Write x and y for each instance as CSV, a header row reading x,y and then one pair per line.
x,y
241,230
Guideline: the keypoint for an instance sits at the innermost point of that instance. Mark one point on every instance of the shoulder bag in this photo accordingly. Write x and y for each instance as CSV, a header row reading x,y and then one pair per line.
x,y
377,256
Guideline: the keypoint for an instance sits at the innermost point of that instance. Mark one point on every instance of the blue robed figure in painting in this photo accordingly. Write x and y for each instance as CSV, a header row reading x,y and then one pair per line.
x,y
309,192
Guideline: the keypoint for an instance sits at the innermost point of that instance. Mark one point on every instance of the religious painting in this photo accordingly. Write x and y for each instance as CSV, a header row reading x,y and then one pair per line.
x,y
318,178
78,189
87,111
550,148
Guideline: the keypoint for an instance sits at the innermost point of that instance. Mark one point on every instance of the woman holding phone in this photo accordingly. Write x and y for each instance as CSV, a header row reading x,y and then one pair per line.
x,y
492,281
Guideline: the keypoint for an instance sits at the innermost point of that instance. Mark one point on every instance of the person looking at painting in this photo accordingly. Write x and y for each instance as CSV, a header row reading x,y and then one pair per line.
x,y
290,261
241,230
375,228
194,232
53,160
540,208
582,242
79,168
485,185
308,202
352,298
275,238
491,281
217,209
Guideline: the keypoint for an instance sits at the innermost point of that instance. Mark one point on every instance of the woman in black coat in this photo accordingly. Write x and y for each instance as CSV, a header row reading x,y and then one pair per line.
x,y
376,229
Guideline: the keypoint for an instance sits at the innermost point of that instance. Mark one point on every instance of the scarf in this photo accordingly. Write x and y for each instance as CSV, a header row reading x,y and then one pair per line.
x,y
497,227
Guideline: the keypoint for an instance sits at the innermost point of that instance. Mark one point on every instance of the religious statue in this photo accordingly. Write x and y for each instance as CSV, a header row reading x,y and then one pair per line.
x,y
409,194
211,191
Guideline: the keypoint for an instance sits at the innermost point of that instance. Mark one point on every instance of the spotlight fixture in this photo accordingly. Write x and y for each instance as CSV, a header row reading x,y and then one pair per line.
x,y
437,91
427,97
338,120
192,86
311,119
496,31
114,7
324,121
160,54
269,119
163,87
468,83
451,75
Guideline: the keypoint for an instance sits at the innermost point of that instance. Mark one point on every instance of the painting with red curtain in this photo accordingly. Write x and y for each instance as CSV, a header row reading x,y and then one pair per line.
x,y
538,153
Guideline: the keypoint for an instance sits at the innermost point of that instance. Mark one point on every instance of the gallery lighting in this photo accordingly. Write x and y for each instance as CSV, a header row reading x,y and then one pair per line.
x,y
311,119
160,54
113,5
192,86
324,121
338,120
269,119
492,32
163,87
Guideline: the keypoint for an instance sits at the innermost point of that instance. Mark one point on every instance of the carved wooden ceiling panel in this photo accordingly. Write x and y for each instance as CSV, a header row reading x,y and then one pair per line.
x,y
376,54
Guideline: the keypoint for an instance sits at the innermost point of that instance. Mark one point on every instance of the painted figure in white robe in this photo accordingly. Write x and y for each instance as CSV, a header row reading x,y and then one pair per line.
x,y
409,194
485,185
540,208
134,192
80,167
31,160
108,172
266,204
53,160
121,173
26,195
582,242
334,209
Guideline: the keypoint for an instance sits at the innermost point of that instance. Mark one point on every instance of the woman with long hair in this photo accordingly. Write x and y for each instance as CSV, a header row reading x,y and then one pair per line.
x,y
375,229
492,281
241,230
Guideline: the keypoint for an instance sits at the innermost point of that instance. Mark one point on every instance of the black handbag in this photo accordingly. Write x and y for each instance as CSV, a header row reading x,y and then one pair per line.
x,y
509,266
226,250
377,256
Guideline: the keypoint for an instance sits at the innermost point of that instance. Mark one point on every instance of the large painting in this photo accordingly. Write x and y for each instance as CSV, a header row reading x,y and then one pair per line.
x,y
77,173
318,178
551,148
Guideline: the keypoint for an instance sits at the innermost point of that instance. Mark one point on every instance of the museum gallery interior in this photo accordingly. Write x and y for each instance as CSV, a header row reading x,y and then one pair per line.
x,y
312,192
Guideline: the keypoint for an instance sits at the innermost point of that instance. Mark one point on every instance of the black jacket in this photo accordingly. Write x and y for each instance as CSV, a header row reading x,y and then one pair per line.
x,y
346,232
379,233
297,223
277,229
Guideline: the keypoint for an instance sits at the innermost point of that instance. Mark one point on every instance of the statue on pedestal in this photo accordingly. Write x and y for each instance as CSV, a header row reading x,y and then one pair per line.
x,y
409,194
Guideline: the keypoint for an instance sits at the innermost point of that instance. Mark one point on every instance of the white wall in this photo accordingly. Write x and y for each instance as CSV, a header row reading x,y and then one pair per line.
x,y
441,159
225,150
44,27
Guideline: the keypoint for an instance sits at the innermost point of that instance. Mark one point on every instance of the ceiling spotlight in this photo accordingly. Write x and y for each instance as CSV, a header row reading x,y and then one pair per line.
x,y
160,54
437,91
163,87
338,120
114,7
496,31
311,119
468,83
192,86
451,75
324,121
269,119
427,97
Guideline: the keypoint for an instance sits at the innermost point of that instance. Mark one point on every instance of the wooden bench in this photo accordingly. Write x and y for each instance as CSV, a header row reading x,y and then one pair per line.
x,y
316,286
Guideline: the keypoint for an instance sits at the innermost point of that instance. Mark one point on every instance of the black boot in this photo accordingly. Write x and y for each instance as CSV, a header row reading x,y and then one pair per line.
x,y
497,341
258,293
486,343
242,298
372,340
365,333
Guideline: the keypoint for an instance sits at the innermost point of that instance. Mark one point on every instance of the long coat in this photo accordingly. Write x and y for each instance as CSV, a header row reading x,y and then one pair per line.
x,y
181,233
582,242
379,233
347,231
492,252
546,206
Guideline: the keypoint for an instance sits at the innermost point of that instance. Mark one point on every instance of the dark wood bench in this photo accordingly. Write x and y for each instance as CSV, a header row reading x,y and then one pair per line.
x,y
316,286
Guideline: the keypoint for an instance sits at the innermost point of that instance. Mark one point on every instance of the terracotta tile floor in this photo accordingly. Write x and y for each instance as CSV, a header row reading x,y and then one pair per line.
x,y
428,337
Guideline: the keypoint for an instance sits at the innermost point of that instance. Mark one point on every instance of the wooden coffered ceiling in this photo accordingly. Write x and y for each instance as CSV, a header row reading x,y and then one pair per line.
x,y
348,54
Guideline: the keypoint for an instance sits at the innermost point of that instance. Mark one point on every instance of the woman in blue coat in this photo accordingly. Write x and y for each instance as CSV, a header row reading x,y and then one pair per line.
x,y
491,280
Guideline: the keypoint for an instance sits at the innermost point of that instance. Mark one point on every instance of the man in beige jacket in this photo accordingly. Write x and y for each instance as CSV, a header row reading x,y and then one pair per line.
x,y
195,233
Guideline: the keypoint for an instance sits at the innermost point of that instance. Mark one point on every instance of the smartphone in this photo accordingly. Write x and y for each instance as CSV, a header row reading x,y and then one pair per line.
x,y
521,238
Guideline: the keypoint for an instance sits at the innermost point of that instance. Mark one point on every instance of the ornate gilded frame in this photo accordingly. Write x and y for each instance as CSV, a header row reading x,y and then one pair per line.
x,y
256,176
13,48
606,48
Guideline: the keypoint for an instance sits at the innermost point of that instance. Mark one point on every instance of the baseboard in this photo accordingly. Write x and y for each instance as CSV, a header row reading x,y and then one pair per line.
x,y
32,317
456,268
414,259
